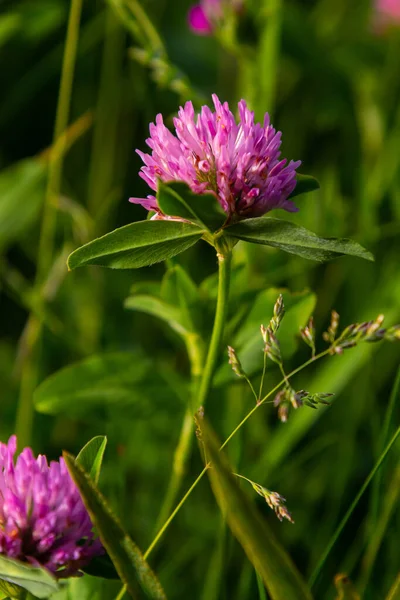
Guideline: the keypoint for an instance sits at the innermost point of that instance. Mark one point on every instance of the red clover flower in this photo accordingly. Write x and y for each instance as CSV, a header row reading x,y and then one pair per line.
x,y
237,162
43,520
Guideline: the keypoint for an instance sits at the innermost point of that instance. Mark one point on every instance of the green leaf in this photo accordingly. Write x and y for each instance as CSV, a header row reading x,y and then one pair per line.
x,y
91,456
177,200
269,558
304,184
36,580
178,286
295,239
110,379
156,307
137,245
21,196
126,556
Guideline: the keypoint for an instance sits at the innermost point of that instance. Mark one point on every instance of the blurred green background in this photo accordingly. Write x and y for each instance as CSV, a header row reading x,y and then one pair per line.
x,y
331,81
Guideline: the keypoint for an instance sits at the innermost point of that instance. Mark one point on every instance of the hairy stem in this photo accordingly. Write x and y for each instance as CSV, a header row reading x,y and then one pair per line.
x,y
224,270
195,350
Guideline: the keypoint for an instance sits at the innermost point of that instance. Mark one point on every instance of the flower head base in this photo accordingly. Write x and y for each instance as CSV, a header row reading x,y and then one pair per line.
x,y
43,520
237,162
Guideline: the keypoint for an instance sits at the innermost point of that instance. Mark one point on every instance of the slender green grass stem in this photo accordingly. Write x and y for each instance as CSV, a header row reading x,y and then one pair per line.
x,y
389,504
175,512
204,471
195,350
178,467
121,593
334,538
376,486
268,56
260,586
24,419
224,269
56,162
263,376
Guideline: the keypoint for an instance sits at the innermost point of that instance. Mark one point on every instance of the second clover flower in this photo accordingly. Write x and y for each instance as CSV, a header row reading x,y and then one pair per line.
x,y
43,520
240,163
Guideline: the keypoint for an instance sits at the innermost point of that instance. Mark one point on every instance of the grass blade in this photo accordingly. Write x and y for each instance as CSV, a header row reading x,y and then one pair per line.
x,y
348,514
270,560
126,556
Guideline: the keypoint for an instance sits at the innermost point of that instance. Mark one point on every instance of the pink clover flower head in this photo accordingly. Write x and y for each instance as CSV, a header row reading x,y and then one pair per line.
x,y
239,163
203,17
43,520
387,13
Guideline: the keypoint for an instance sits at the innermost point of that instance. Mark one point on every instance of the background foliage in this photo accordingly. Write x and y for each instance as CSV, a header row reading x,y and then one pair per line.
x,y
331,82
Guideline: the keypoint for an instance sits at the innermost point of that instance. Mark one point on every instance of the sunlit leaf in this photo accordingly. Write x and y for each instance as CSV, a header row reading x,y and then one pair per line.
x,y
126,556
295,239
156,307
269,558
137,245
90,457
36,580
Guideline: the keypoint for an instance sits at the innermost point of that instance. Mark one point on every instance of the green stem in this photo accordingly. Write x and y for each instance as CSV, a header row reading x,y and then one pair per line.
x,y
348,514
178,467
121,593
194,346
46,242
262,377
24,418
174,513
268,56
376,487
224,269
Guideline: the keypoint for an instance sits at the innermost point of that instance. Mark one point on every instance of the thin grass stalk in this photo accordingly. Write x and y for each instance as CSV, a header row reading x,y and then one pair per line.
x,y
268,57
24,420
334,538
376,489
390,503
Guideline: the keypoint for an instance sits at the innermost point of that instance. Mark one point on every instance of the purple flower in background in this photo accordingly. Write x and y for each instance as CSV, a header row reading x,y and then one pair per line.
x,y
43,520
203,17
238,162
387,13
